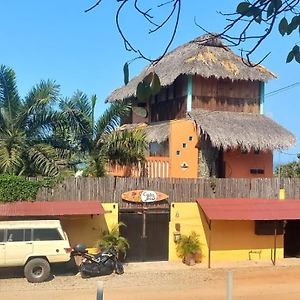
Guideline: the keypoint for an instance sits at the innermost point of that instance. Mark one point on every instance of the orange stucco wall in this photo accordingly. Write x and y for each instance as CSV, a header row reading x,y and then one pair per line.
x,y
238,164
183,132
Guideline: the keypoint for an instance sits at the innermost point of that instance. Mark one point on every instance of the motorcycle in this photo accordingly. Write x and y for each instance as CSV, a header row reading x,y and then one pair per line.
x,y
102,263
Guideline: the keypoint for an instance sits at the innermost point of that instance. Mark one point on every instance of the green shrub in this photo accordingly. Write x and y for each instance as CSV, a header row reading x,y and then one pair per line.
x,y
113,239
188,244
18,188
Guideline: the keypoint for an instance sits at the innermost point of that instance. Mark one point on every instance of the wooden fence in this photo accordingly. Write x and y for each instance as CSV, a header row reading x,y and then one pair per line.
x,y
109,189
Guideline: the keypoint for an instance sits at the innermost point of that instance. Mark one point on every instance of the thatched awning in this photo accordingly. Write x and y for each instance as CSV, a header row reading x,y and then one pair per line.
x,y
229,130
158,132
206,56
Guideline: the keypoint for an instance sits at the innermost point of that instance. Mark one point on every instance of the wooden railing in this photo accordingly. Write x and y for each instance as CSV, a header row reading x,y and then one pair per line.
x,y
157,167
154,167
125,171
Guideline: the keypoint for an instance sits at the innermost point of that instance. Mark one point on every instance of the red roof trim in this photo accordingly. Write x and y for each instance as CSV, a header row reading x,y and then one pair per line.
x,y
250,209
53,208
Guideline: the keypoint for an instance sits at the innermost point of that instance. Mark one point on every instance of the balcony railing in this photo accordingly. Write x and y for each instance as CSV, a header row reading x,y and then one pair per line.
x,y
154,167
157,167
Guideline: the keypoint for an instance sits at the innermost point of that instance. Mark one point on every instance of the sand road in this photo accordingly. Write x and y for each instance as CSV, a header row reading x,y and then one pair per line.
x,y
166,281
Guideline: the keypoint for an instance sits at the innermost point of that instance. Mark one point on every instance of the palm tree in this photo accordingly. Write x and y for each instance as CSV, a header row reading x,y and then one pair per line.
x,y
25,127
113,239
100,142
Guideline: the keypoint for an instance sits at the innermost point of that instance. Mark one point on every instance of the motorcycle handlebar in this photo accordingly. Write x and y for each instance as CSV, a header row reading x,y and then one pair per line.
x,y
110,250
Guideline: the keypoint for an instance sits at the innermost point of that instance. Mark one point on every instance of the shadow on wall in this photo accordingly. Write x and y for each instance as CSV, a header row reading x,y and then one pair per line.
x,y
84,229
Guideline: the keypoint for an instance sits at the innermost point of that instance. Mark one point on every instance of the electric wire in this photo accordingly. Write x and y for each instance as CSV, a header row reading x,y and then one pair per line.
x,y
286,153
283,89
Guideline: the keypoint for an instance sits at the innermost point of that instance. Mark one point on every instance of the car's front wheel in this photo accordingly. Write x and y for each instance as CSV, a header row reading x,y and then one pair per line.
x,y
37,270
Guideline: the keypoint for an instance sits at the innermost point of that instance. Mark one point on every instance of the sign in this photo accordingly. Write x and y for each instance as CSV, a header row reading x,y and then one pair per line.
x,y
144,196
148,196
184,166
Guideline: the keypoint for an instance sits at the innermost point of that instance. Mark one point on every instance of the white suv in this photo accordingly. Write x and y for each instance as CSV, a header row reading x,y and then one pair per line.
x,y
33,244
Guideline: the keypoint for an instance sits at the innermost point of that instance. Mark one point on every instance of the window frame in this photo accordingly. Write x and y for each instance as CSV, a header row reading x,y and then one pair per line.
x,y
61,238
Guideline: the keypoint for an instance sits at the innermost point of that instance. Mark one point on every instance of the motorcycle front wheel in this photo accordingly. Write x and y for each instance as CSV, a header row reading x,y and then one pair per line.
x,y
119,269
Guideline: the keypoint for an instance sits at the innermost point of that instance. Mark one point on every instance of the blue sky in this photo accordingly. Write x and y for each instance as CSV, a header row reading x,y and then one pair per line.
x,y
57,40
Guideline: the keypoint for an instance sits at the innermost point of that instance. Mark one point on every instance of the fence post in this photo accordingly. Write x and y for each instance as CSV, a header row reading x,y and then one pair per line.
x,y
99,290
229,285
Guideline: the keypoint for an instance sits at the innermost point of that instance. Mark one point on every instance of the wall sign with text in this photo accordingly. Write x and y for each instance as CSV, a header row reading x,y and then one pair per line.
x,y
144,196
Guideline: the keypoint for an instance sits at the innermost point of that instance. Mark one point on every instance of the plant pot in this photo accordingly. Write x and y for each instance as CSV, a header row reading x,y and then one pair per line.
x,y
189,259
198,257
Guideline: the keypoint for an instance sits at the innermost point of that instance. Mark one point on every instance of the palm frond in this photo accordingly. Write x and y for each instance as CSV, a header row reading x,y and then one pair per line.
x,y
124,147
11,156
82,104
96,166
41,95
93,104
4,120
43,158
111,118
113,239
9,98
78,114
41,124
77,118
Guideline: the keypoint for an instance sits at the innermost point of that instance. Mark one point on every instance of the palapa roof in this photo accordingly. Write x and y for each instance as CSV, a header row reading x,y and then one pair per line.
x,y
227,130
155,132
230,130
206,56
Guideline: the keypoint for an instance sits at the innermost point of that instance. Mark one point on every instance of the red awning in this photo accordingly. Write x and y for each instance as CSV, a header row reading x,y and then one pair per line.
x,y
53,208
250,209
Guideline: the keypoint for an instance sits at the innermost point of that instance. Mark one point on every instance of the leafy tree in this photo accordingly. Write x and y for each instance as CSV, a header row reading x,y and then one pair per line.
x,y
97,143
25,127
289,170
279,15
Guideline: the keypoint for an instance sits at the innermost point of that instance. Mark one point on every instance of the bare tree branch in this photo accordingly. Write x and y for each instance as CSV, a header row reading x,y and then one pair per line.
x,y
92,7
248,15
175,11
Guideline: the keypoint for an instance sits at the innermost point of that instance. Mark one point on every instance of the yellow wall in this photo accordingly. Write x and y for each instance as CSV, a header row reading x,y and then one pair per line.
x,y
187,215
235,240
87,229
180,131
230,240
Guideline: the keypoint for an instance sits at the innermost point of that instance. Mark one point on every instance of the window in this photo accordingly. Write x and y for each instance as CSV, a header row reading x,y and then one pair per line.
x,y
1,235
184,145
27,235
15,235
268,227
159,149
178,153
257,171
46,234
190,138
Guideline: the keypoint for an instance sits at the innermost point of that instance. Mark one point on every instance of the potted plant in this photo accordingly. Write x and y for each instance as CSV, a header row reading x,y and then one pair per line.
x,y
113,239
189,248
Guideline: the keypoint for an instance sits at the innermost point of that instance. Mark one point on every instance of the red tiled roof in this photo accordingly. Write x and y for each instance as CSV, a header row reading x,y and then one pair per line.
x,y
53,208
250,209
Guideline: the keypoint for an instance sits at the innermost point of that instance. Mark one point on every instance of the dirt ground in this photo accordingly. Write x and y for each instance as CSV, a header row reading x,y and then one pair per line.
x,y
166,281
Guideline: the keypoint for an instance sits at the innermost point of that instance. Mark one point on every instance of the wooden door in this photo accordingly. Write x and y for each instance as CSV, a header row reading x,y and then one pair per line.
x,y
147,233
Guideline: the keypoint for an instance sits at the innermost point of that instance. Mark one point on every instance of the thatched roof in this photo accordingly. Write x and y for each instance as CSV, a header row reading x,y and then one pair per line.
x,y
249,131
206,56
156,132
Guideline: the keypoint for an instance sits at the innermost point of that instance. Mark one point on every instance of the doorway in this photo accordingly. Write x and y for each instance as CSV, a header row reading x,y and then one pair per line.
x,y
292,239
147,232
